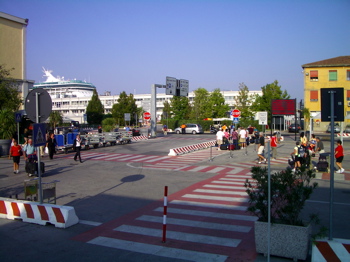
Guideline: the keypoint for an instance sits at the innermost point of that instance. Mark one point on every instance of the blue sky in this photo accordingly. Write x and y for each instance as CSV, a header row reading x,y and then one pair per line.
x,y
131,44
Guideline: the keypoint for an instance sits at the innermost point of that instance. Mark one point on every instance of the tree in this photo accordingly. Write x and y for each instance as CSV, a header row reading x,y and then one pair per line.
x,y
217,103
307,115
270,91
166,110
201,107
181,107
126,104
94,110
243,103
55,119
9,95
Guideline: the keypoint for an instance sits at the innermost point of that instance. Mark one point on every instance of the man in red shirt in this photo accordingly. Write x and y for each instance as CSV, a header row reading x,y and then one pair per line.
x,y
339,155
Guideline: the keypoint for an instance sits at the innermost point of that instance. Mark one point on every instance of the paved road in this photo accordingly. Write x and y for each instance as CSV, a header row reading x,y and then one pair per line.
x,y
117,194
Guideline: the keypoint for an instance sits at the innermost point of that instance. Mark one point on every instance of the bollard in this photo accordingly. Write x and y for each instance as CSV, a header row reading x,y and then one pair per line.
x,y
165,212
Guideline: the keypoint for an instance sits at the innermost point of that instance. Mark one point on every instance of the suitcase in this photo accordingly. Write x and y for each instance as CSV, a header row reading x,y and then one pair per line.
x,y
30,167
322,166
42,167
223,147
231,147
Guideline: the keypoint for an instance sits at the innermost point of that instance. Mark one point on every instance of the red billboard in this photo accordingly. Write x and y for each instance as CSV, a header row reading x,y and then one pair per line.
x,y
283,106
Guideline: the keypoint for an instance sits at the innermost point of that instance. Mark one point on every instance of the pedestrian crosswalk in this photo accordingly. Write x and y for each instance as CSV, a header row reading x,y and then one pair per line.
x,y
205,222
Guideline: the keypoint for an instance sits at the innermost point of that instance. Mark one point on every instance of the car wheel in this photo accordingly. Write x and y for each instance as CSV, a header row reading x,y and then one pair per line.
x,y
194,132
177,132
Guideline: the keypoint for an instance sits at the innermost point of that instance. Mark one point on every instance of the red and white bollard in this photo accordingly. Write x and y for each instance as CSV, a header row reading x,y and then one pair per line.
x,y
165,212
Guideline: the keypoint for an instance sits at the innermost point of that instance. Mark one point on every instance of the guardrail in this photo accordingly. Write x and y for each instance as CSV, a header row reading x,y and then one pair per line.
x,y
188,149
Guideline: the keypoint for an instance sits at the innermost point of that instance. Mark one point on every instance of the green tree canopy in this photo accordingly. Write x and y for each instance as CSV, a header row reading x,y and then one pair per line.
x,y
126,104
9,96
55,119
217,103
181,107
270,91
201,107
94,110
166,110
243,102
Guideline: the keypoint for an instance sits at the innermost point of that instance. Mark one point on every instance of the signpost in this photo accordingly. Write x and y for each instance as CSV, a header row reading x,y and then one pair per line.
x,y
184,87
236,113
18,117
146,115
38,105
170,85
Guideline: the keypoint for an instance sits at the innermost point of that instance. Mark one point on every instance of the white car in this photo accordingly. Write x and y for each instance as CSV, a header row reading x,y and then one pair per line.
x,y
190,129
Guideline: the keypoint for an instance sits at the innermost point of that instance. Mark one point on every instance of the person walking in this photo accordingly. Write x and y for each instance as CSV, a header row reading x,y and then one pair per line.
x,y
273,144
234,137
261,147
219,138
15,153
51,145
339,155
165,130
30,157
243,137
298,155
77,147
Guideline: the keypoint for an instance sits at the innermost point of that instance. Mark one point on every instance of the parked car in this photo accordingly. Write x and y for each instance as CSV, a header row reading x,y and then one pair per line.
x,y
347,129
294,128
336,128
190,129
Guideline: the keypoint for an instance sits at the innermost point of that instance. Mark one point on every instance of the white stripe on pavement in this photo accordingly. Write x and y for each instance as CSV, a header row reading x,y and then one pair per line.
x,y
208,205
207,214
196,238
229,199
223,192
157,250
226,187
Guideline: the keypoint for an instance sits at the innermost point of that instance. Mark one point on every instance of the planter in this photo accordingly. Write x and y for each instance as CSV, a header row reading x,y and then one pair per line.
x,y
286,240
5,145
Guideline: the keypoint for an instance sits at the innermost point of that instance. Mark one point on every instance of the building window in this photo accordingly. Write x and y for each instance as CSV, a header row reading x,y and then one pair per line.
x,y
314,95
348,75
314,75
333,75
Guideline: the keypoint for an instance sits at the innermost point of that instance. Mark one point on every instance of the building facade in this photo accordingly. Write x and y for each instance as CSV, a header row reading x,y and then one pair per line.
x,y
13,31
329,73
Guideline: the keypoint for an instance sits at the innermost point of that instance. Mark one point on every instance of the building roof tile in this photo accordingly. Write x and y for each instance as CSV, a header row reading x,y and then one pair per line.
x,y
331,62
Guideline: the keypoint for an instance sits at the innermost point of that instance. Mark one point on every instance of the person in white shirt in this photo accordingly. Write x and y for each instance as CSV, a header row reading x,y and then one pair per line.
x,y
243,137
77,146
219,137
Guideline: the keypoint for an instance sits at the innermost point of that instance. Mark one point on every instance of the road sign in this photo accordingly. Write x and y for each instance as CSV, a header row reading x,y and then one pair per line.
x,y
127,116
236,113
39,134
236,120
147,116
44,104
18,117
184,87
262,117
170,86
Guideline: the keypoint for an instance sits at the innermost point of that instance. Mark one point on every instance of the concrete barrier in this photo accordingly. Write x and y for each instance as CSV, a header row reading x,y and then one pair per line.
x,y
344,135
41,214
188,149
331,250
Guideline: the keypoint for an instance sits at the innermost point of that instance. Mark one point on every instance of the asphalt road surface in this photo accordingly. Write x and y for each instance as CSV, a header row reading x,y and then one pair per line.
x,y
117,193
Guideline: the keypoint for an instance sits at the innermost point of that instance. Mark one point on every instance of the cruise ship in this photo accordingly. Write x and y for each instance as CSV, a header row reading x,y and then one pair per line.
x,y
57,87
71,97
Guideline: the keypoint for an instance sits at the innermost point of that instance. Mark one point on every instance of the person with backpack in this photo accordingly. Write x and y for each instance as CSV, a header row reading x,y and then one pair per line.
x,y
298,155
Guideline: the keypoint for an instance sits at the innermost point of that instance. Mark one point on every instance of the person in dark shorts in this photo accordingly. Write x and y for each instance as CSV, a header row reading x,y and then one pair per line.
x,y
16,152
261,147
297,156
339,155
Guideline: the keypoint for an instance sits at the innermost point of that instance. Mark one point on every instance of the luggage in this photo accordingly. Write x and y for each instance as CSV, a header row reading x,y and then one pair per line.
x,y
247,141
322,165
42,167
291,162
223,147
30,167
231,147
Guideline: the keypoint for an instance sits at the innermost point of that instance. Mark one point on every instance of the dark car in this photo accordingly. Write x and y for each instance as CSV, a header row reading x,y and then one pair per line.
x,y
294,128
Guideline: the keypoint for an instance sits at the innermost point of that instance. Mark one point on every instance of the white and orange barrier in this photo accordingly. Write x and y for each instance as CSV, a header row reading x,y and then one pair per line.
x,y
188,149
344,135
331,250
41,214
138,138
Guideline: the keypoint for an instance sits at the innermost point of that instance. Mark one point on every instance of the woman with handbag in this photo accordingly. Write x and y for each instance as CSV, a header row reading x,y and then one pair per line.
x,y
16,153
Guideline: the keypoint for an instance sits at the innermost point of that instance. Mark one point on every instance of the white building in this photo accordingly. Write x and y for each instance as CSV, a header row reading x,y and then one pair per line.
x,y
71,97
